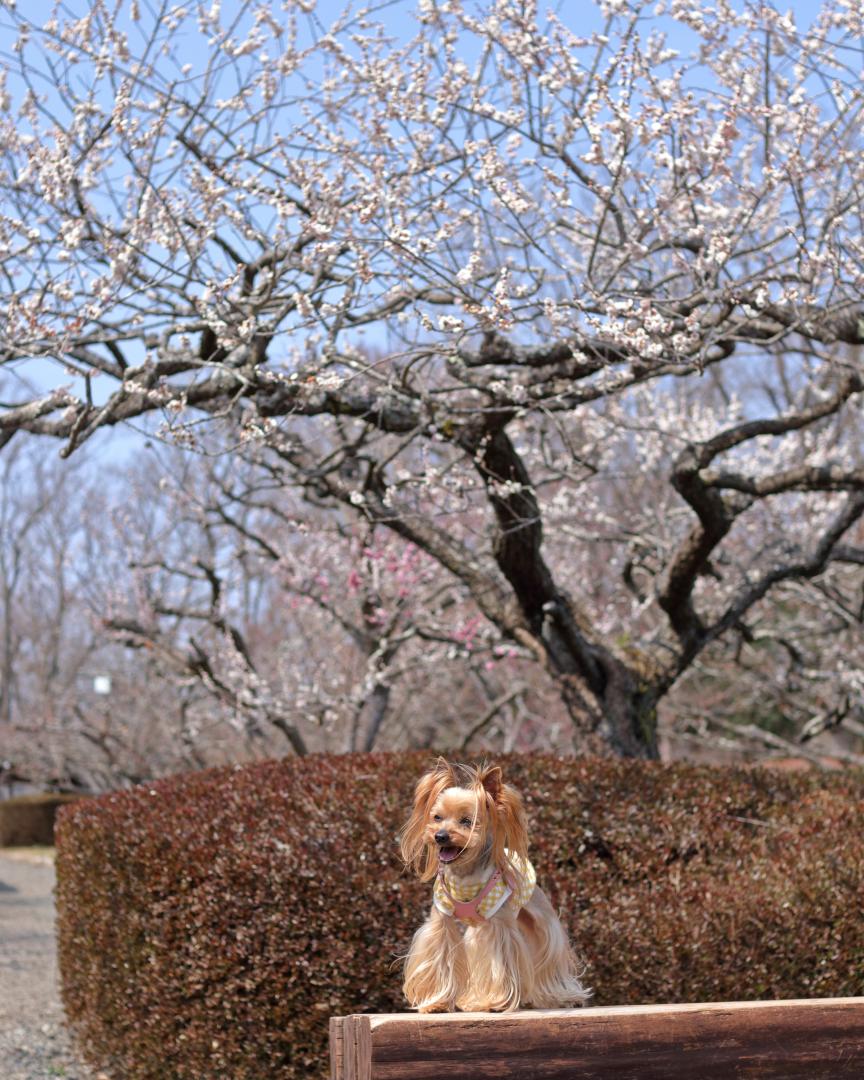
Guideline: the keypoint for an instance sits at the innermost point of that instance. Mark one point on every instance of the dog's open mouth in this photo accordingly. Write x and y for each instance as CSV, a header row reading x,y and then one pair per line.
x,y
449,852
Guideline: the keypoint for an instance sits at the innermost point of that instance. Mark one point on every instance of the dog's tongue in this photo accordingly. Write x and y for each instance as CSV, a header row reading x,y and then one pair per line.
x,y
447,854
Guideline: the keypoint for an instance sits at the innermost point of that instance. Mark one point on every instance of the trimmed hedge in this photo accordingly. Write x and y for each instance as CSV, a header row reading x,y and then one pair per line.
x,y
28,820
210,924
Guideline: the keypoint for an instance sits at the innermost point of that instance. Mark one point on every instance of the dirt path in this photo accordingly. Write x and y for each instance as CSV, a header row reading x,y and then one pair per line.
x,y
33,1044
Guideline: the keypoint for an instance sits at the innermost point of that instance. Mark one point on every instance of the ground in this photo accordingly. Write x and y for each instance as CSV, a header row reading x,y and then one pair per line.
x,y
33,1043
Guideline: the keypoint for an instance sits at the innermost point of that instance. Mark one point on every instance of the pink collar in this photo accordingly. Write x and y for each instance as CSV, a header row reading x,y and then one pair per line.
x,y
468,909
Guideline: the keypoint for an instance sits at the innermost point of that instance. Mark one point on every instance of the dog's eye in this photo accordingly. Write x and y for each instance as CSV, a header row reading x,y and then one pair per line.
x,y
436,817
465,821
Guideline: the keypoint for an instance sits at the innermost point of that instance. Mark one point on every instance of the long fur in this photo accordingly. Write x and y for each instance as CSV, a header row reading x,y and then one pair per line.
x,y
500,963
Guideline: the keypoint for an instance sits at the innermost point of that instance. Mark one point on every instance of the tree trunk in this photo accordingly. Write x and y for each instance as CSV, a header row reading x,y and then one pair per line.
x,y
629,722
620,708
598,686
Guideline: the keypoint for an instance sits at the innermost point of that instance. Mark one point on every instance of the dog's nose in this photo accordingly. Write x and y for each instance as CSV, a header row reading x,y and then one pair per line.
x,y
442,837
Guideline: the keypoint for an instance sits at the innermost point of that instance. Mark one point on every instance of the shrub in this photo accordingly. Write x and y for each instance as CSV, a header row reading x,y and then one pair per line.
x,y
26,820
210,924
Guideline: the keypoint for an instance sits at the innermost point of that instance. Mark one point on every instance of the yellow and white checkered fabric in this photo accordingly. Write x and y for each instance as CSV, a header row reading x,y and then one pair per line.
x,y
464,889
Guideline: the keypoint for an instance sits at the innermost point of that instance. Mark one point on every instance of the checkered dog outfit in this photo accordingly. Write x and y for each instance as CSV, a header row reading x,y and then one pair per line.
x,y
481,895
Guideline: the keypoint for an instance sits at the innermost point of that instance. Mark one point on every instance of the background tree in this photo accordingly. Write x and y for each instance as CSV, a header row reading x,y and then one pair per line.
x,y
462,283
48,646
305,629
153,624
55,727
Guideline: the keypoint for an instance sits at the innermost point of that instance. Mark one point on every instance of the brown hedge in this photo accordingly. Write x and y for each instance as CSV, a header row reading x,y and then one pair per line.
x,y
210,924
27,820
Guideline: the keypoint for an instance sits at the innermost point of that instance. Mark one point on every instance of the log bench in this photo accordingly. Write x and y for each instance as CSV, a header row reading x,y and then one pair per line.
x,y
816,1039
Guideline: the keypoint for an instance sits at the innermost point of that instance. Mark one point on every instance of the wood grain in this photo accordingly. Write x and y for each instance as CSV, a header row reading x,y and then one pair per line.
x,y
819,1039
337,1047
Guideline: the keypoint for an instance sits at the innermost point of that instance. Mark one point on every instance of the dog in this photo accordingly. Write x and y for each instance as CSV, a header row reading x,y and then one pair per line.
x,y
492,941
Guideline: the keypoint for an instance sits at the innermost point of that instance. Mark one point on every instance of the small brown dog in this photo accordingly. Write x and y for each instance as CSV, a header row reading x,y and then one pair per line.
x,y
492,940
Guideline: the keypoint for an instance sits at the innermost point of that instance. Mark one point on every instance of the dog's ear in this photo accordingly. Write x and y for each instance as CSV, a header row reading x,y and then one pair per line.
x,y
431,784
444,771
513,822
416,852
507,816
492,781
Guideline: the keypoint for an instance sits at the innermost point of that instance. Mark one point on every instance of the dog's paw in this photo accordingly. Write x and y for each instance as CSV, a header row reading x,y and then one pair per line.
x,y
487,1005
437,1006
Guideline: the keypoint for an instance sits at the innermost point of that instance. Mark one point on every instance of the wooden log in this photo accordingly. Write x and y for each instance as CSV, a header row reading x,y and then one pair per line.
x,y
337,1048
810,1039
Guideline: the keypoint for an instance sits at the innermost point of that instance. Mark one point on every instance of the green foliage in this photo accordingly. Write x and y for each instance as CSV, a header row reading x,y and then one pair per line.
x,y
210,924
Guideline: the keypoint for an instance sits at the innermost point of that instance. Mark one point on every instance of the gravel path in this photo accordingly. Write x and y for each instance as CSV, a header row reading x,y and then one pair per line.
x,y
33,1042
